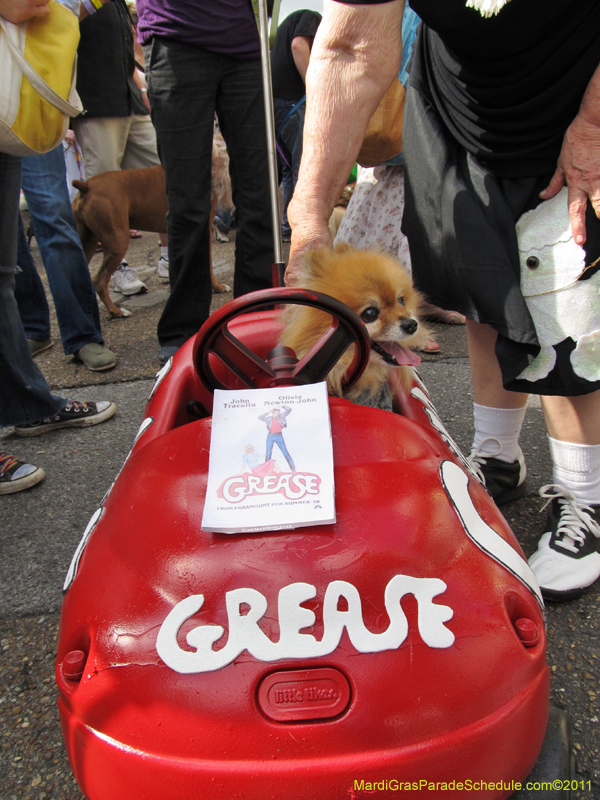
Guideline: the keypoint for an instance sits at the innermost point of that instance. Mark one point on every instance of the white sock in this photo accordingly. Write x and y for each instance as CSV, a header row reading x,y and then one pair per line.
x,y
164,253
503,424
577,468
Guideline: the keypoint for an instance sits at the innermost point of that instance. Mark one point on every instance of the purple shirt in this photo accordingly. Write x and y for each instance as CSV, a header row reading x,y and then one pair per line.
x,y
220,26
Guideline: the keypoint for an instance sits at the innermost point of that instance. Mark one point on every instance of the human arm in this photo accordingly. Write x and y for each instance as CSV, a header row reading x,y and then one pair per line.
x,y
579,161
355,57
301,54
83,11
281,417
140,82
20,10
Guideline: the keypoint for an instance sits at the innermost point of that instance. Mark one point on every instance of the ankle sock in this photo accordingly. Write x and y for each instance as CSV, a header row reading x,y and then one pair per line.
x,y
164,253
577,468
503,424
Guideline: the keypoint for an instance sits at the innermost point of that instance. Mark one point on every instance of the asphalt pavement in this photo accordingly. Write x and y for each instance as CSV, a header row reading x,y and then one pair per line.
x,y
40,529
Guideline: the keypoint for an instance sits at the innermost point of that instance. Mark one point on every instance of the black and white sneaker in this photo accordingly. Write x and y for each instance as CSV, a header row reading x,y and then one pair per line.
x,y
74,415
16,475
567,560
504,480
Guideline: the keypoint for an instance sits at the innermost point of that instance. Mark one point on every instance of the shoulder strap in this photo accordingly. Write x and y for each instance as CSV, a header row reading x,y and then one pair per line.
x,y
295,107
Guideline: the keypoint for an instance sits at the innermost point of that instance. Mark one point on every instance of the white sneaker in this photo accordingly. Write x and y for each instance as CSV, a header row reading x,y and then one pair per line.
x,y
568,556
126,281
163,268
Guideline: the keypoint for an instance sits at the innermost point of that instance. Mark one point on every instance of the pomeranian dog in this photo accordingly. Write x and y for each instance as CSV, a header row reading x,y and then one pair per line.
x,y
381,292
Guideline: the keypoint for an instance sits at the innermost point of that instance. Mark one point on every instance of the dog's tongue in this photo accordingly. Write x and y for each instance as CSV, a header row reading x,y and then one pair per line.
x,y
404,356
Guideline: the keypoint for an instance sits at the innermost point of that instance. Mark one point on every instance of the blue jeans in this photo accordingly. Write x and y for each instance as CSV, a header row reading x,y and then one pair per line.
x,y
186,85
277,438
29,292
290,138
44,183
24,393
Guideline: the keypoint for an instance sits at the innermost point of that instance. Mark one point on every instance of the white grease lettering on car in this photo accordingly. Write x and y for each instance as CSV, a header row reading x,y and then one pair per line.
x,y
245,634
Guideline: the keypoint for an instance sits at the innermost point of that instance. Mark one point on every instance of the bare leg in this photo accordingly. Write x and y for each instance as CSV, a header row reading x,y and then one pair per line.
x,y
485,370
498,416
164,239
568,556
573,419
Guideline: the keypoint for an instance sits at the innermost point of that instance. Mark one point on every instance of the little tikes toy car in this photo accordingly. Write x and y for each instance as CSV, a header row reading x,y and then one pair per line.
x,y
400,649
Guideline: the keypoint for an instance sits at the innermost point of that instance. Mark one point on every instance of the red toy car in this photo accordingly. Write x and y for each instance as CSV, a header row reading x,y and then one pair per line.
x,y
400,649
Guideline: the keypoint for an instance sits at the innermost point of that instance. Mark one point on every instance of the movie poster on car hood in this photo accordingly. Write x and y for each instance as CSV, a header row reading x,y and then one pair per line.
x,y
271,460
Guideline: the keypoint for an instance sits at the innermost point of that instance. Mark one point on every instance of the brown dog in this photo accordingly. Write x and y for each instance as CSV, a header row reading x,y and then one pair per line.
x,y
111,203
381,292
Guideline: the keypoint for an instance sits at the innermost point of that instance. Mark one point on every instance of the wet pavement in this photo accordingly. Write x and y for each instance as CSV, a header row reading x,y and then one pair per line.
x,y
40,529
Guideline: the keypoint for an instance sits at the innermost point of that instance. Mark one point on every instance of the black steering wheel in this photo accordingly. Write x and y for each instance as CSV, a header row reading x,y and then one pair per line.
x,y
215,339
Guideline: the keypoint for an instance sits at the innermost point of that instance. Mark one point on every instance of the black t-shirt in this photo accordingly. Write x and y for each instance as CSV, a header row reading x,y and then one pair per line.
x,y
507,86
287,81
105,64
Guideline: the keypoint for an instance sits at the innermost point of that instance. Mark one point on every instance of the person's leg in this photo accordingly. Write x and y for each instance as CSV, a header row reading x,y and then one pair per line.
x,y
102,141
142,151
24,393
286,135
30,294
498,417
287,182
485,370
182,86
573,419
43,182
141,147
15,475
283,447
270,442
568,556
296,145
240,108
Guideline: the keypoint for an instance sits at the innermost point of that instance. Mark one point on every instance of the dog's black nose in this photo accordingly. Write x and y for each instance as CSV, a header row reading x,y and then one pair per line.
x,y
409,325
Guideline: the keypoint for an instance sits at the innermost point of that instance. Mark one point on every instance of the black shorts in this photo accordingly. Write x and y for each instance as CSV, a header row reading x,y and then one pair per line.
x,y
460,222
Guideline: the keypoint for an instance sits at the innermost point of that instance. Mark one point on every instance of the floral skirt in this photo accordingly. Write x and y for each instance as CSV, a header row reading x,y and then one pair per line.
x,y
374,214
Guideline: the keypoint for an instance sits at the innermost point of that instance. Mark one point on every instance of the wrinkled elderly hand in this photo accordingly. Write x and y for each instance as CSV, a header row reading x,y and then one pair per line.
x,y
579,163
20,10
308,233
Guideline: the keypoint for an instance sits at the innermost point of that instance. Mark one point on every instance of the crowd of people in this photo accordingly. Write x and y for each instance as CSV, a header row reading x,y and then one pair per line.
x,y
501,127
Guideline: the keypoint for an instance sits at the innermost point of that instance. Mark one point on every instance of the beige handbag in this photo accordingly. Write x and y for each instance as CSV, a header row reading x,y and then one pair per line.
x,y
37,83
383,137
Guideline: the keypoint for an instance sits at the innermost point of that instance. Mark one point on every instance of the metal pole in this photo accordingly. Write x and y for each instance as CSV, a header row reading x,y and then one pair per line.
x,y
270,124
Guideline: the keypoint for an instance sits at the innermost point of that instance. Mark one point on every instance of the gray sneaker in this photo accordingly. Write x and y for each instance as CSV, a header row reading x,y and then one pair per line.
x,y
126,281
96,357
38,346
